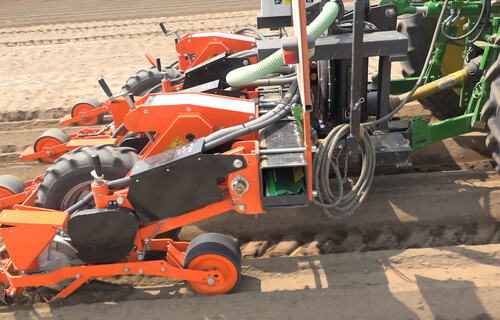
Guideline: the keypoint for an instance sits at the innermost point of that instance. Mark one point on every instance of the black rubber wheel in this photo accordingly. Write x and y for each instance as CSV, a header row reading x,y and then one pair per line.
x,y
144,80
223,249
11,184
87,104
68,180
419,30
491,111
50,138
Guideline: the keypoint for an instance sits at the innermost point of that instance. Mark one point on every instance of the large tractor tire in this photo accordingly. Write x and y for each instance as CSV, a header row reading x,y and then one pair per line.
x,y
419,30
69,179
491,111
145,80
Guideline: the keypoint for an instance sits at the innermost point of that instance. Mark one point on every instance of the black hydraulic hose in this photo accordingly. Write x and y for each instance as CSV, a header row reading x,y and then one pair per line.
x,y
87,200
259,34
173,81
118,131
249,129
286,100
153,89
484,15
420,78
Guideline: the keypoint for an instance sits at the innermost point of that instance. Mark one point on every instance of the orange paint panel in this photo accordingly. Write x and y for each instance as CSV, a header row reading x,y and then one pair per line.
x,y
26,243
81,142
182,126
40,218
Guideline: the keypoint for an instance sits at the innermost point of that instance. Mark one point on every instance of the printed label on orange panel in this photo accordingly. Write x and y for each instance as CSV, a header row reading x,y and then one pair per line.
x,y
175,143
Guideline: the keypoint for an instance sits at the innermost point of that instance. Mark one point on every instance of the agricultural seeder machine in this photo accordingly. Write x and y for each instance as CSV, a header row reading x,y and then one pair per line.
x,y
246,123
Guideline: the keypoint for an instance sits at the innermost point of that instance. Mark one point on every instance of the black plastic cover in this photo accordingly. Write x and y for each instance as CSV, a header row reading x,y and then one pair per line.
x,y
103,235
178,181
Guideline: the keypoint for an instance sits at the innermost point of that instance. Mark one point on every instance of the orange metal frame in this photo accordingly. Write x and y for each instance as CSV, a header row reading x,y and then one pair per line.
x,y
24,226
206,45
28,230
203,45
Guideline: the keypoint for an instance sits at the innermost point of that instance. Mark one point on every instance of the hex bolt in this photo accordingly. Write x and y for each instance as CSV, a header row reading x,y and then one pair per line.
x,y
237,163
245,62
314,148
126,269
390,12
145,111
120,200
78,276
210,281
242,207
162,269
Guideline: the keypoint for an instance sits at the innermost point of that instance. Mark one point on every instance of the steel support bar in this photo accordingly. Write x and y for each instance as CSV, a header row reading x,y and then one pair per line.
x,y
356,76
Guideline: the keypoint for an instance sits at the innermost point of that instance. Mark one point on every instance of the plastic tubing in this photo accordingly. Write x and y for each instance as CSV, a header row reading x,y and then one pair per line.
x,y
242,76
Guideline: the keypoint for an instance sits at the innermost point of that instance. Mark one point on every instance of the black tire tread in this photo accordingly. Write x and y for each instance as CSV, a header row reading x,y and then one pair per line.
x,y
144,80
419,30
71,168
491,111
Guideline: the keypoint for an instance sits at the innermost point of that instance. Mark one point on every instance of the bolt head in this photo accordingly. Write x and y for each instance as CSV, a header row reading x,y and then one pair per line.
x,y
239,190
238,163
162,269
242,207
390,12
314,148
126,269
141,271
120,200
78,276
210,281
145,111
314,193
245,62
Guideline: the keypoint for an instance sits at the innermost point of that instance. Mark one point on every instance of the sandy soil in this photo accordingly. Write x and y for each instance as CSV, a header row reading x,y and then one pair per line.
x,y
51,56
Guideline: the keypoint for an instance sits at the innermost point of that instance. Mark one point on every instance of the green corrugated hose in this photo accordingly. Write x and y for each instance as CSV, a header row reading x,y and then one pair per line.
x,y
248,74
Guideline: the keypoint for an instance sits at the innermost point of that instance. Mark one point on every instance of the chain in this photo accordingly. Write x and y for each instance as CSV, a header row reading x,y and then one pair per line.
x,y
346,167
478,91
140,254
467,55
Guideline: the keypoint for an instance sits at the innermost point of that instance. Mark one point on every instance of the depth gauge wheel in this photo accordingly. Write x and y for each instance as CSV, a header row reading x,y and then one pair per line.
x,y
50,138
69,179
214,251
85,105
10,185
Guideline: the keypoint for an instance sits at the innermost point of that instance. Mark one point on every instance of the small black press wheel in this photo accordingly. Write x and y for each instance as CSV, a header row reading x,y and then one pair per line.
x,y
10,185
85,105
51,138
214,252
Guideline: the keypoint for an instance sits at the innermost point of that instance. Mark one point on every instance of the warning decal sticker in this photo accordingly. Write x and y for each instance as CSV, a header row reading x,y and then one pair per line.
x,y
175,143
